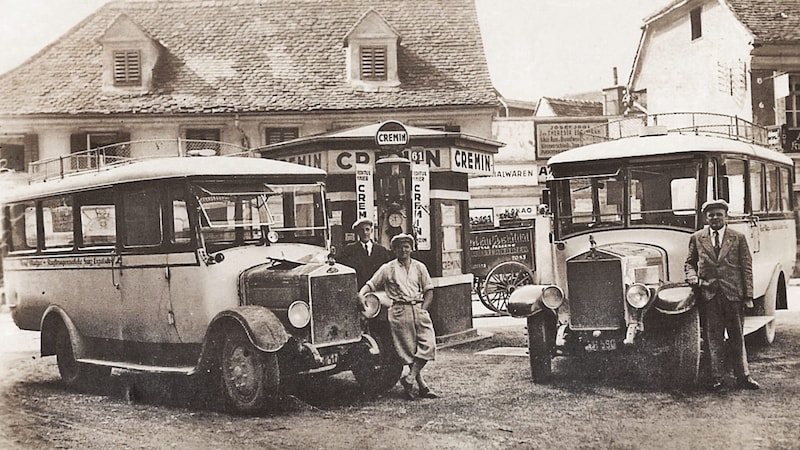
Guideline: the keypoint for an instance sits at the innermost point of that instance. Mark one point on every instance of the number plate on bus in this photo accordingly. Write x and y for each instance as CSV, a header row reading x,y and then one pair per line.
x,y
601,345
330,359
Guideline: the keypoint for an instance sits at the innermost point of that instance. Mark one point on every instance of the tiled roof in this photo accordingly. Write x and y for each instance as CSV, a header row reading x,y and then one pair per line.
x,y
248,56
574,108
769,21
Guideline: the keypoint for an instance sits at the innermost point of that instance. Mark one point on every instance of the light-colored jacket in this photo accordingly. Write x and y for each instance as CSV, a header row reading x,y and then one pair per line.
x,y
730,274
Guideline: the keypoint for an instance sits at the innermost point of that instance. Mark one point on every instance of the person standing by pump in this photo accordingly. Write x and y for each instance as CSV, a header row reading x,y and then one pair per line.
x,y
719,265
364,255
409,286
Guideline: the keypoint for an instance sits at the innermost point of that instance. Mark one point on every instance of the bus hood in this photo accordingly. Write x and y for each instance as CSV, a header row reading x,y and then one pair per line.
x,y
641,263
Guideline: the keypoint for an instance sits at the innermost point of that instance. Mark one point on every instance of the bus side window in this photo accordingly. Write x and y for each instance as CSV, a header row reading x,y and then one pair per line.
x,y
57,219
22,221
142,217
97,218
773,204
735,183
757,186
785,183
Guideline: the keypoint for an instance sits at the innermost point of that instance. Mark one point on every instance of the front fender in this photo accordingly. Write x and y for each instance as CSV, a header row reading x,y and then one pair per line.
x,y
675,298
53,318
265,330
526,300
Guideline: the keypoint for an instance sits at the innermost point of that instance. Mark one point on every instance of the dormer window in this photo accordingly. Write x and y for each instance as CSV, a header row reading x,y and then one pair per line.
x,y
127,68
130,57
372,48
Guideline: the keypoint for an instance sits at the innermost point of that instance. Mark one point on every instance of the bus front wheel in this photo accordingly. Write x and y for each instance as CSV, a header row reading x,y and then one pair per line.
x,y
75,374
249,377
541,335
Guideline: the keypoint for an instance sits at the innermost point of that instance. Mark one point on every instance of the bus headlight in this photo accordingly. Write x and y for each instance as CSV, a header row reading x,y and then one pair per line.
x,y
637,295
299,314
371,304
552,297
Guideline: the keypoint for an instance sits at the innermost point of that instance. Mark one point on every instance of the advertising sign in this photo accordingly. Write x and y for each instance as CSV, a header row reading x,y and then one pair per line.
x,y
553,138
421,205
365,192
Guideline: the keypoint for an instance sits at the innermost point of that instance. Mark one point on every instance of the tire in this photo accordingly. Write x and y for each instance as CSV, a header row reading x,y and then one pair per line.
x,y
378,374
683,361
249,377
76,375
541,337
502,280
765,336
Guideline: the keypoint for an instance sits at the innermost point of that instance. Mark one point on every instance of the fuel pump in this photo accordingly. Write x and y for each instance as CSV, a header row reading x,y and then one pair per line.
x,y
394,202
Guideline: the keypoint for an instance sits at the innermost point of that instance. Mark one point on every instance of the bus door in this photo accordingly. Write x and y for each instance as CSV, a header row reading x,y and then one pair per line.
x,y
145,311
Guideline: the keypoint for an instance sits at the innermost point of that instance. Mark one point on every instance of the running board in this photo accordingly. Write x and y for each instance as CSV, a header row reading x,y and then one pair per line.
x,y
754,323
183,370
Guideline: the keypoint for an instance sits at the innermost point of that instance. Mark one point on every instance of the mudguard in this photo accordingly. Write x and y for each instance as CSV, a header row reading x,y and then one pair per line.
x,y
265,330
52,318
526,300
771,302
675,298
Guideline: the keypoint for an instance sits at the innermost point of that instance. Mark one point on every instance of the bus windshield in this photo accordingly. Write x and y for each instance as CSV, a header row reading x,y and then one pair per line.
x,y
235,213
658,194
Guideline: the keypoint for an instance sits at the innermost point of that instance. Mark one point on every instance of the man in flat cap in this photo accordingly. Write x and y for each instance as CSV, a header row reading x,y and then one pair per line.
x,y
364,255
408,285
720,266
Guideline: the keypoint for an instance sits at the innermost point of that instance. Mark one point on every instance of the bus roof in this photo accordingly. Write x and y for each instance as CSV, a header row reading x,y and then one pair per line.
x,y
664,144
165,168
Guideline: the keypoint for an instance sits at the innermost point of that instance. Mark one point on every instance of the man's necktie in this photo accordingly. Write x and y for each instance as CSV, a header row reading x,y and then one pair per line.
x,y
716,242
366,248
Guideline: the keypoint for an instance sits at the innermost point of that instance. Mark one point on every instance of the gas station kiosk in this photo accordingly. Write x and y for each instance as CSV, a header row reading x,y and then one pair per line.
x,y
408,180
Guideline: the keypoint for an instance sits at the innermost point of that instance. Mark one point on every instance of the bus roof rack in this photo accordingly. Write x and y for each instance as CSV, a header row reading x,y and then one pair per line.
x,y
106,157
697,123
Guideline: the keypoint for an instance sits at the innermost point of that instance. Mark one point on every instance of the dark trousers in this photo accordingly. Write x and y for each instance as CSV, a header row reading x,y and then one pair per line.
x,y
720,315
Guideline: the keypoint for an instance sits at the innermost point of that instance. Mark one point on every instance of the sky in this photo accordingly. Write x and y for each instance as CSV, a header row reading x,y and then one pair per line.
x,y
534,48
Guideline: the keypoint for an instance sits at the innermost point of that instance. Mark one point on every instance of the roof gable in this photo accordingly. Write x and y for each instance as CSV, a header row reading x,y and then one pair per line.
x,y
243,56
372,24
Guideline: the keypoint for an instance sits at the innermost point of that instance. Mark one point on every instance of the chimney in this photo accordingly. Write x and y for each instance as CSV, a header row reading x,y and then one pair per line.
x,y
612,97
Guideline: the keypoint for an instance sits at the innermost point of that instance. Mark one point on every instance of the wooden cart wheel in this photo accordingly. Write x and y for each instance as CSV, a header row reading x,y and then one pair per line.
x,y
501,281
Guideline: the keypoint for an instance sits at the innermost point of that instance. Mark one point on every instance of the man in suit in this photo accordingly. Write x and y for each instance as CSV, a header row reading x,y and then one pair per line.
x,y
720,266
364,254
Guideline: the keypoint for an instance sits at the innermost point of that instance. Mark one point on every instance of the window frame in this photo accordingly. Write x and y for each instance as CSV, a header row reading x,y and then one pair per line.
x,y
696,23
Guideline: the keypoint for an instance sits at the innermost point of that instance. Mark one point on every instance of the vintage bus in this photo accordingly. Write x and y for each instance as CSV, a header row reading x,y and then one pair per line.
x,y
621,211
213,266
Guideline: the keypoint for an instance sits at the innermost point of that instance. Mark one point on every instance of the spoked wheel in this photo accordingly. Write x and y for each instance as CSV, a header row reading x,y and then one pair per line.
x,y
250,378
75,374
501,282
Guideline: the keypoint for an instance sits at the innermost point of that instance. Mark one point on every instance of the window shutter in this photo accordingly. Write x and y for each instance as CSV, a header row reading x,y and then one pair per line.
x,y
127,67
275,135
373,63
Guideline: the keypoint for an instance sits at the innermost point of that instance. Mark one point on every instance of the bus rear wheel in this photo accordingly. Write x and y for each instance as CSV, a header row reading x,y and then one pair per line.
x,y
249,377
75,374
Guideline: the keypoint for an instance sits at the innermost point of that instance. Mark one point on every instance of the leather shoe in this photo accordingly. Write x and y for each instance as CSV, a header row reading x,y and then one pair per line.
x,y
748,382
426,392
408,388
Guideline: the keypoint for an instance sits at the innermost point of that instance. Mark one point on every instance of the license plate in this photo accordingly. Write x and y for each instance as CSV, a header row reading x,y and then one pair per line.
x,y
330,359
601,345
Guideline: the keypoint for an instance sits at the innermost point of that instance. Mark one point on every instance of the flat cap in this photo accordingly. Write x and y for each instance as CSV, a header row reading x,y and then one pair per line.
x,y
361,221
713,204
402,237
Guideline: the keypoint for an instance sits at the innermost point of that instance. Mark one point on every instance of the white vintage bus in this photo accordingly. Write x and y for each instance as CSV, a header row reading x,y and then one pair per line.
x,y
610,271
215,266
